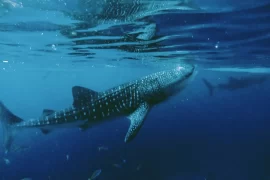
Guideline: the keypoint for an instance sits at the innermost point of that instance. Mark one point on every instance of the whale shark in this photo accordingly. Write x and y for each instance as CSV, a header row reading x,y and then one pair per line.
x,y
235,83
94,13
128,10
133,100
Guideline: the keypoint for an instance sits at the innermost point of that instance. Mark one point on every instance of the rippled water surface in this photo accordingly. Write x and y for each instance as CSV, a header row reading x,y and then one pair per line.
x,y
209,36
46,47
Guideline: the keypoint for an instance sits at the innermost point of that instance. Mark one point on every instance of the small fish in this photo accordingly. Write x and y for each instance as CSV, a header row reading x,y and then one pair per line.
x,y
20,148
26,179
7,161
117,165
67,157
47,74
102,148
95,174
139,167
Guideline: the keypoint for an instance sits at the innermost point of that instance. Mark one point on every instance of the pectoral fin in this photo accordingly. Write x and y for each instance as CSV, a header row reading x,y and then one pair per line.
x,y
136,121
45,131
84,126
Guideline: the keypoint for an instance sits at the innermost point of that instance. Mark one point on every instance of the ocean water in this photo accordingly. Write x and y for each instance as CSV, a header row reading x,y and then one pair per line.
x,y
47,47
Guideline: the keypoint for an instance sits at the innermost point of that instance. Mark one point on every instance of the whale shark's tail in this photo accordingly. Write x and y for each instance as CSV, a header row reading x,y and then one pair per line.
x,y
8,119
209,86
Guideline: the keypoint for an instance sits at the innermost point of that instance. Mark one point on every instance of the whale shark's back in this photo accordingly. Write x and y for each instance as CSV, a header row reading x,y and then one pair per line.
x,y
132,9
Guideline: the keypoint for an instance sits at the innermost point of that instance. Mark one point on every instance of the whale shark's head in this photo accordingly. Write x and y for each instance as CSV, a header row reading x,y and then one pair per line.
x,y
175,80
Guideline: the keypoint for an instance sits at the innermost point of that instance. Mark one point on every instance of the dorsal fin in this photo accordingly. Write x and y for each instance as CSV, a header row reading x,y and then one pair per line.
x,y
84,126
47,112
82,96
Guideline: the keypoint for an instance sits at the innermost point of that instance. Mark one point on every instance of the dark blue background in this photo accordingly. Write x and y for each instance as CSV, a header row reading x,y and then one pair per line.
x,y
192,136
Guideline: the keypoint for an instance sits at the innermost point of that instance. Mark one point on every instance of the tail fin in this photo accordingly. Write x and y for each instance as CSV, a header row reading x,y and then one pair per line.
x,y
209,86
8,119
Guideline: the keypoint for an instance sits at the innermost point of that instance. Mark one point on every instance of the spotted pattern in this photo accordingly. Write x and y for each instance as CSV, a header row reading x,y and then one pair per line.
x,y
121,100
132,9
136,121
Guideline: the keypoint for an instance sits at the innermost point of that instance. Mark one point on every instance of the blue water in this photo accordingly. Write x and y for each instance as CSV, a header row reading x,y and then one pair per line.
x,y
193,136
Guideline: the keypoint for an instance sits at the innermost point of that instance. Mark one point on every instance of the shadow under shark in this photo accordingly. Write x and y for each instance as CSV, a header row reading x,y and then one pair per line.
x,y
133,100
235,83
